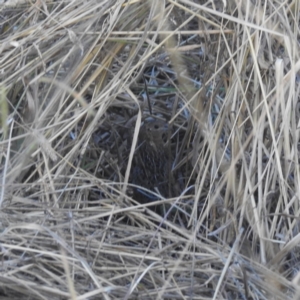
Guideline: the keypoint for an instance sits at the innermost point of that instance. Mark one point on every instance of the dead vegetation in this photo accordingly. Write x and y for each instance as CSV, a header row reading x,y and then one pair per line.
x,y
79,82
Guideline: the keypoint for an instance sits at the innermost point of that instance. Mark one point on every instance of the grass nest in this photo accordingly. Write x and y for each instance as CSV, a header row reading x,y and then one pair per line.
x,y
149,150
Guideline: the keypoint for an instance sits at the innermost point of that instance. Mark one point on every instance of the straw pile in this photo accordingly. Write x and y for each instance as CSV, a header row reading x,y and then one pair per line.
x,y
93,206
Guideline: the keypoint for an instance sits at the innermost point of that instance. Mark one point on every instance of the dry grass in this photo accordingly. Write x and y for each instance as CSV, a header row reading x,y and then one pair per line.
x,y
226,80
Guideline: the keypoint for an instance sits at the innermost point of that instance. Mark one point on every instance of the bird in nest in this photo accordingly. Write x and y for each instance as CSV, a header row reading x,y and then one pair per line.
x,y
150,165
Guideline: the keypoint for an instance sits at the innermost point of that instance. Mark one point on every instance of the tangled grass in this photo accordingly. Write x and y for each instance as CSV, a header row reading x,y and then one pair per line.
x,y
224,75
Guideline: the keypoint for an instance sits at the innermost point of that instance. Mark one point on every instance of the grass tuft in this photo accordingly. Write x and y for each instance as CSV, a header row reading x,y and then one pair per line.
x,y
223,75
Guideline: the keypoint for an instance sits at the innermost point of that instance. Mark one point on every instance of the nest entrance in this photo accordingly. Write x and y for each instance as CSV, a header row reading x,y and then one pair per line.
x,y
154,169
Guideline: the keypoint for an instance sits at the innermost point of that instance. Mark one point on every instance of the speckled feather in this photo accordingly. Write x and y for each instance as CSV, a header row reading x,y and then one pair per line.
x,y
150,164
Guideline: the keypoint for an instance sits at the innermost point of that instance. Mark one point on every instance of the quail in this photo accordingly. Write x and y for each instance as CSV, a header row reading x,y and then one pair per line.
x,y
150,164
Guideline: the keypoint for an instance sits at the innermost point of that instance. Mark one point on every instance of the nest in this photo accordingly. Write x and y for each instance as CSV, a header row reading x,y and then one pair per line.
x,y
161,165
184,188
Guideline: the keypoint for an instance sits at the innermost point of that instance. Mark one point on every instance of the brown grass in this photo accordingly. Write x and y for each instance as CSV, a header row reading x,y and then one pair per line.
x,y
72,92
